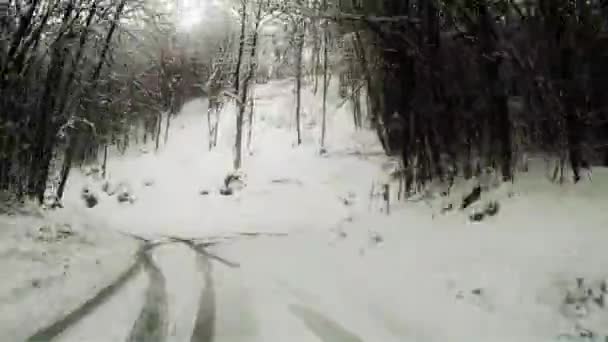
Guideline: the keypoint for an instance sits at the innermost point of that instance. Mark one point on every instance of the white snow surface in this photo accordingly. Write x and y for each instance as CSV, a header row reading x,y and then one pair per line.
x,y
173,204
345,271
44,275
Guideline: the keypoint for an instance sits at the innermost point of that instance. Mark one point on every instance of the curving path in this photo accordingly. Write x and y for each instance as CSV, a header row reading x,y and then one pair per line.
x,y
177,290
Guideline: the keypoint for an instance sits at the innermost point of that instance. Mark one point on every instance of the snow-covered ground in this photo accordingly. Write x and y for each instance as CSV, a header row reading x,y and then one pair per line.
x,y
328,264
50,263
285,185
438,280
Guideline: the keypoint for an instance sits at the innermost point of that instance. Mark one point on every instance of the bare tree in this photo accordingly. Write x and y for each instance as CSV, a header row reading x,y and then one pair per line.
x,y
300,28
325,47
243,98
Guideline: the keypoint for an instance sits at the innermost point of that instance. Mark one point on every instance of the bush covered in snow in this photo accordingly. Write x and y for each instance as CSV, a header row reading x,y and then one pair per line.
x,y
125,195
90,198
233,182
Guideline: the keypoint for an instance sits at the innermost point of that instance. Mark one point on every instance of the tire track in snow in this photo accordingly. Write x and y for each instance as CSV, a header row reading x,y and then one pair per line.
x,y
54,330
204,326
152,324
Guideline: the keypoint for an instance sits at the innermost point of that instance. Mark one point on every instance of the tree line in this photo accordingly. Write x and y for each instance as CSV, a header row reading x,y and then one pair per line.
x,y
461,87
78,76
452,87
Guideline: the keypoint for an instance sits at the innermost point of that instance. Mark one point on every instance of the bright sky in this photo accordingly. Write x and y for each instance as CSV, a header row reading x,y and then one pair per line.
x,y
194,12
191,13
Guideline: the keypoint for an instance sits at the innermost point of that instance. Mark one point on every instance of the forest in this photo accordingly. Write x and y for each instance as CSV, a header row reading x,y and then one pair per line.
x,y
303,170
455,88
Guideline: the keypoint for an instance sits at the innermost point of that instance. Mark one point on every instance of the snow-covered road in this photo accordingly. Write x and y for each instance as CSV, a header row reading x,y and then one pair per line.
x,y
169,297
305,252
181,292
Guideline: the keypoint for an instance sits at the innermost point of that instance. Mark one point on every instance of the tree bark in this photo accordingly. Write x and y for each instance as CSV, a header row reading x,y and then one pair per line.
x,y
167,125
250,124
67,165
237,87
108,40
499,121
299,51
325,84
104,165
244,93
159,120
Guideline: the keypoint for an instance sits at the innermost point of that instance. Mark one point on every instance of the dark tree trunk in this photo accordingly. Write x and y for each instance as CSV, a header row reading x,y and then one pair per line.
x,y
167,126
46,129
237,86
67,166
244,92
299,52
158,130
325,83
104,164
498,110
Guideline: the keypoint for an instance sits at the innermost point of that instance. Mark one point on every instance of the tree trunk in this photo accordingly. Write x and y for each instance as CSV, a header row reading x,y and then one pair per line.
x,y
216,126
104,165
325,86
109,36
499,121
159,119
243,99
210,126
250,124
373,95
237,87
46,129
299,51
168,124
316,52
356,101
239,61
67,164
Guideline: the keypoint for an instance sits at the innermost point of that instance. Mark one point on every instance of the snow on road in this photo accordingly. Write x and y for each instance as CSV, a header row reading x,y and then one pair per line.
x,y
340,270
49,264
113,320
